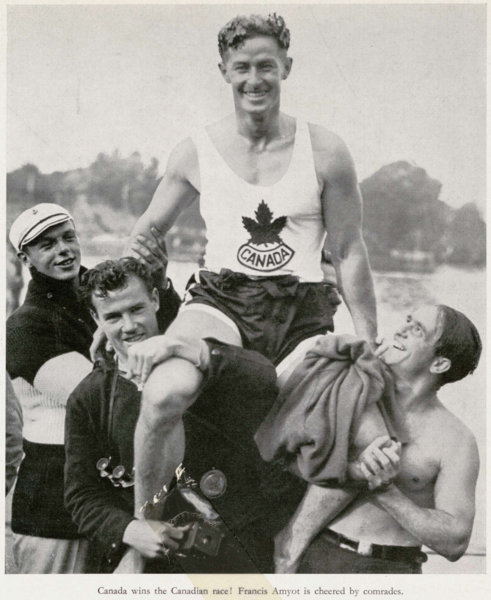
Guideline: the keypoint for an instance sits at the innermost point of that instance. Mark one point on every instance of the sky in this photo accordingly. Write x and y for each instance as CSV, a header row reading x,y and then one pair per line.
x,y
396,82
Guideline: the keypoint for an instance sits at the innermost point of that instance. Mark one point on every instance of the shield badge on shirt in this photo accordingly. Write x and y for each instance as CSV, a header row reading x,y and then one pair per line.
x,y
265,250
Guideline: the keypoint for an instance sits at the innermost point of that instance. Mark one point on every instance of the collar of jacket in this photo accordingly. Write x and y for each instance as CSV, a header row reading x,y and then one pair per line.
x,y
42,285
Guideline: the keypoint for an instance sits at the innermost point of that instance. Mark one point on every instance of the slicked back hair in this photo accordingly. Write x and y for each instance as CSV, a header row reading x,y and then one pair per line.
x,y
113,275
460,342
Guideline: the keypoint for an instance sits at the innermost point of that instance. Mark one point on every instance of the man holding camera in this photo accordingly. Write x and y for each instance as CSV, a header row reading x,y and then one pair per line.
x,y
227,529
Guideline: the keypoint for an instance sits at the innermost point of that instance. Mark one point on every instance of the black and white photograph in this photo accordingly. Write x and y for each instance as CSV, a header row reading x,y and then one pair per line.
x,y
211,367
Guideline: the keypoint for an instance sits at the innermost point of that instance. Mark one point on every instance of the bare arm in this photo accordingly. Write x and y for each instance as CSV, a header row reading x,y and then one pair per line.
x,y
342,208
319,506
177,190
447,528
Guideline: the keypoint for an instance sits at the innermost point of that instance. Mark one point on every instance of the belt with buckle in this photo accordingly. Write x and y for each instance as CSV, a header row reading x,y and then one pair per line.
x,y
408,554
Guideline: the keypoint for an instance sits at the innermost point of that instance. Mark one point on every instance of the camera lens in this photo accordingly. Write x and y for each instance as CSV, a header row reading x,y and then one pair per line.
x,y
118,472
102,464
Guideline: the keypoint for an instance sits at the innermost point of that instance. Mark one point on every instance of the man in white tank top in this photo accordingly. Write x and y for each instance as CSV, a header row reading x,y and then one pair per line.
x,y
270,186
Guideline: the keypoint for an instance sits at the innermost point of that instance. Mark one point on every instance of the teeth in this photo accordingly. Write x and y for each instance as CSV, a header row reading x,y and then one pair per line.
x,y
398,347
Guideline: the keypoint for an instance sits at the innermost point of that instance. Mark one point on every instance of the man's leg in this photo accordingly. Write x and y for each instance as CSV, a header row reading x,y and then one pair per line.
x,y
159,436
170,390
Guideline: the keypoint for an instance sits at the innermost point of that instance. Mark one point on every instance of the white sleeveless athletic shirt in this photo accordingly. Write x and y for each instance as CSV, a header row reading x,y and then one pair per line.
x,y
258,230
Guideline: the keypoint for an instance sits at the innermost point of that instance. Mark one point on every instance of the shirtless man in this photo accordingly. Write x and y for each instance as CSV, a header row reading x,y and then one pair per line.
x,y
270,186
429,494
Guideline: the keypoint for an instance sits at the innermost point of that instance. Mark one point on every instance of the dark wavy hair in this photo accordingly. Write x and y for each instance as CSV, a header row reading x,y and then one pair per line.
x,y
241,28
459,342
113,275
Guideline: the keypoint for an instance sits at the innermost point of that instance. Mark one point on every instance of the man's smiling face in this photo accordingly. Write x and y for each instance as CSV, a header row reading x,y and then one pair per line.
x,y
411,349
255,71
127,315
55,253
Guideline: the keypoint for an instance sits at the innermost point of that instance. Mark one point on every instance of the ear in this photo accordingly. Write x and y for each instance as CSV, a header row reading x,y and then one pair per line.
x,y
155,299
440,365
288,67
223,70
24,258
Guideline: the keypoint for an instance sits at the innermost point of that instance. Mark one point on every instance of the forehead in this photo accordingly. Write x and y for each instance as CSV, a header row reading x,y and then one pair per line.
x,y
428,316
123,298
260,46
54,232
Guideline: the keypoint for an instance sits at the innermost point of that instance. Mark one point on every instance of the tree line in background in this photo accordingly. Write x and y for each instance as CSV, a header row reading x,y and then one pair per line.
x,y
406,225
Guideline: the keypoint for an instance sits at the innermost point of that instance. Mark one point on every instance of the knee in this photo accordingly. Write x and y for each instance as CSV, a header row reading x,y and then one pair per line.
x,y
170,390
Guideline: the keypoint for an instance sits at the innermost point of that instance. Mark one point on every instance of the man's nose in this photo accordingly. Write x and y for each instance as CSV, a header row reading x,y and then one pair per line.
x,y
62,246
253,77
128,323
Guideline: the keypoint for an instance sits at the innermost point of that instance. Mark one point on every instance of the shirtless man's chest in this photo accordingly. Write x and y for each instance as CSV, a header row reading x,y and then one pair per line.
x,y
420,461
420,464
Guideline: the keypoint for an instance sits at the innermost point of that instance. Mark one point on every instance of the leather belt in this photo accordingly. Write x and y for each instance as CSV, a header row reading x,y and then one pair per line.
x,y
407,554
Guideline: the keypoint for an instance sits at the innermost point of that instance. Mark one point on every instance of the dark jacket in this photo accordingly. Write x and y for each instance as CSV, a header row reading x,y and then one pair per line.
x,y
52,321
220,426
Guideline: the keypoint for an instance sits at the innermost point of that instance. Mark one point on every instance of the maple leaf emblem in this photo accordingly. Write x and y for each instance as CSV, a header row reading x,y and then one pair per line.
x,y
264,230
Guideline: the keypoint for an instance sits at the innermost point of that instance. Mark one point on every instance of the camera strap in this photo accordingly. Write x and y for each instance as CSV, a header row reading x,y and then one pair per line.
x,y
110,415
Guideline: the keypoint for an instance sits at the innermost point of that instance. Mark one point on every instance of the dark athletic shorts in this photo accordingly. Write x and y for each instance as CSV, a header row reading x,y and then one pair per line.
x,y
272,314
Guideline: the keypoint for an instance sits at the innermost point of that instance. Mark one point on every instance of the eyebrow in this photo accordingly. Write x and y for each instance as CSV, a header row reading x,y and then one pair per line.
x,y
110,315
51,238
45,240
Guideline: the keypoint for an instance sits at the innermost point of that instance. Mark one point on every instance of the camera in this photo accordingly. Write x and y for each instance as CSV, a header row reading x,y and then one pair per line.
x,y
202,539
116,475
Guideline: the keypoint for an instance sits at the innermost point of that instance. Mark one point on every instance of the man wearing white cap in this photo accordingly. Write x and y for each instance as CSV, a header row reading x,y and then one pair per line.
x,y
48,342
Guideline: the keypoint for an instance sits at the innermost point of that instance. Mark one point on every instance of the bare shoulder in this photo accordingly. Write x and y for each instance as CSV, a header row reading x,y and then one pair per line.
x,y
457,440
183,158
324,139
331,155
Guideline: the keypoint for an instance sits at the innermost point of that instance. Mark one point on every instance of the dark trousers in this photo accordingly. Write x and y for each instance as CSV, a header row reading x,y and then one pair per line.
x,y
323,556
